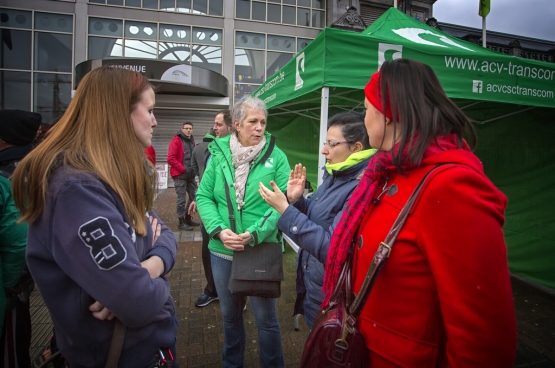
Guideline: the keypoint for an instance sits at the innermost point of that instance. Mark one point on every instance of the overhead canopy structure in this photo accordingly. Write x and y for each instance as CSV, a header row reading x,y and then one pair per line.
x,y
510,100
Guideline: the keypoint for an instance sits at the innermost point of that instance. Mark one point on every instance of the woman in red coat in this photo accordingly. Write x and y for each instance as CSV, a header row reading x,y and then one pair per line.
x,y
444,297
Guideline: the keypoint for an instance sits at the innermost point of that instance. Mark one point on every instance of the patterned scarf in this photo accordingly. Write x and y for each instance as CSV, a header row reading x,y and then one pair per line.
x,y
378,170
242,158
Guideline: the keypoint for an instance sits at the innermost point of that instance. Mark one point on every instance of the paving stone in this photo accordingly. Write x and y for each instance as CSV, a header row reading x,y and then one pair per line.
x,y
200,335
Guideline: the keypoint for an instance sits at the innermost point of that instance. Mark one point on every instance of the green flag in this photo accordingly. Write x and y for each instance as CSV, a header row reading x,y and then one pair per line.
x,y
484,8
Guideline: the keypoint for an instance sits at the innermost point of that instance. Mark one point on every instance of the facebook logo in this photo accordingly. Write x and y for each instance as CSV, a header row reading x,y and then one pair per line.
x,y
477,86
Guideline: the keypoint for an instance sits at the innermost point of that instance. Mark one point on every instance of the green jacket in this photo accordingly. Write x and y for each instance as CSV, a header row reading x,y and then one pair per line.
x,y
256,216
13,239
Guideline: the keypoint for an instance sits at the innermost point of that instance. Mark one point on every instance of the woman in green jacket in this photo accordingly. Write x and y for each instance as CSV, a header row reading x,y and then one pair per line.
x,y
241,161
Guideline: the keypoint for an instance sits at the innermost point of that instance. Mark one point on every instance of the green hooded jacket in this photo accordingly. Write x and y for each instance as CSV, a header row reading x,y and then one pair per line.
x,y
13,240
256,216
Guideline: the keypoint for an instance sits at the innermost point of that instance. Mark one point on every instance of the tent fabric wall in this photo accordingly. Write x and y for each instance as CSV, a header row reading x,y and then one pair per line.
x,y
510,100
518,156
297,133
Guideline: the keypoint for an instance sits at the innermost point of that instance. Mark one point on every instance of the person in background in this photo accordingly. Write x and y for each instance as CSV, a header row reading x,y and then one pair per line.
x,y
151,154
18,129
240,161
308,222
95,248
42,132
180,153
222,124
444,298
201,155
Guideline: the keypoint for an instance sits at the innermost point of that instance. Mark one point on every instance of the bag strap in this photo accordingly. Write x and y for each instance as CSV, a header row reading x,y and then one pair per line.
x,y
116,345
229,208
343,286
384,251
269,150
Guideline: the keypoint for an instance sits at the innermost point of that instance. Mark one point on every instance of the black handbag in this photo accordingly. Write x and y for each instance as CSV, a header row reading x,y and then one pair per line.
x,y
335,340
258,270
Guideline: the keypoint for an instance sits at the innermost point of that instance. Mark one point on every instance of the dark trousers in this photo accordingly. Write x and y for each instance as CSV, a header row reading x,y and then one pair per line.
x,y
210,288
184,188
16,336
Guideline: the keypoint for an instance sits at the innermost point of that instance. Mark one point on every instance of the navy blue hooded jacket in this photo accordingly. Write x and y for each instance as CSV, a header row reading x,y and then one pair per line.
x,y
308,222
82,249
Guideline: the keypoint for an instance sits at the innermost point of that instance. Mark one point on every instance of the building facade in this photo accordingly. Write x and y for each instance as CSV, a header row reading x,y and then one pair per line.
x,y
230,47
243,41
46,43
524,47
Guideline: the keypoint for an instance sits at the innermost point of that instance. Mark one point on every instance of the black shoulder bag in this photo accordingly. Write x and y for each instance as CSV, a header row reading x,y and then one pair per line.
x,y
257,270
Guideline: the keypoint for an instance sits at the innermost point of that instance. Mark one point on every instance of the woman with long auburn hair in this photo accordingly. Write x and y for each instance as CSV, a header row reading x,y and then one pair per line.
x,y
443,299
96,250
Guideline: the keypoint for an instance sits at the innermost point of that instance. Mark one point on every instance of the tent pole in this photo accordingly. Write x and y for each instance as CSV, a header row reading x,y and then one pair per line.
x,y
395,4
509,114
484,32
323,130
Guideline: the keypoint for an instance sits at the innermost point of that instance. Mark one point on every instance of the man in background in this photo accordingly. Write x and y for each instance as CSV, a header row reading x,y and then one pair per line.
x,y
201,155
18,129
180,152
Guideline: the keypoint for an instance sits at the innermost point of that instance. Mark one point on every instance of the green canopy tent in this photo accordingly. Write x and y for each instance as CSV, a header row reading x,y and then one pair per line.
x,y
510,100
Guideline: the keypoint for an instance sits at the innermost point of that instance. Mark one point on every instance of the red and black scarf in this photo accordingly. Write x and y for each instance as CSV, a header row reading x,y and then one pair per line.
x,y
379,168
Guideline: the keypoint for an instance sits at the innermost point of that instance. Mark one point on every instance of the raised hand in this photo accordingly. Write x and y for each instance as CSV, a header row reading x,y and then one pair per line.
x,y
295,186
275,199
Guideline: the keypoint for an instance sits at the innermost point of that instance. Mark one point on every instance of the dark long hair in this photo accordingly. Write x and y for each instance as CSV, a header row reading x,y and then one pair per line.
x,y
352,127
423,110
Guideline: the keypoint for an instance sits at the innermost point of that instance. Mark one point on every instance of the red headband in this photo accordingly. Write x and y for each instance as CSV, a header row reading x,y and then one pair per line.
x,y
372,91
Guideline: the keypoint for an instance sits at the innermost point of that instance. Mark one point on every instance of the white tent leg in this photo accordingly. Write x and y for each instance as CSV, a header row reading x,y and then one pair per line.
x,y
323,130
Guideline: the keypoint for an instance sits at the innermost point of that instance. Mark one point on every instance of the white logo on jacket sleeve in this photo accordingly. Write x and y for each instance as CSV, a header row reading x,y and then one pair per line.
x,y
105,248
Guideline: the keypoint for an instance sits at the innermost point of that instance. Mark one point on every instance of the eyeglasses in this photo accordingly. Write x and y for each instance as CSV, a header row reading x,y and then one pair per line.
x,y
332,144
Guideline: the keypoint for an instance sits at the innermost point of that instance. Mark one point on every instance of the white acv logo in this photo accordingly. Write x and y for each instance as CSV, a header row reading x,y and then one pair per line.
x,y
385,47
413,34
298,80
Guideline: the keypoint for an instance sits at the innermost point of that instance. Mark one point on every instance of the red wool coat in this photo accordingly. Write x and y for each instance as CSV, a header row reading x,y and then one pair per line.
x,y
444,297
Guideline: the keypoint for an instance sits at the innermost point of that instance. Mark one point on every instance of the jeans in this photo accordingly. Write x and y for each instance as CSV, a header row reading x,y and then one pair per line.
x,y
210,288
264,310
183,188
